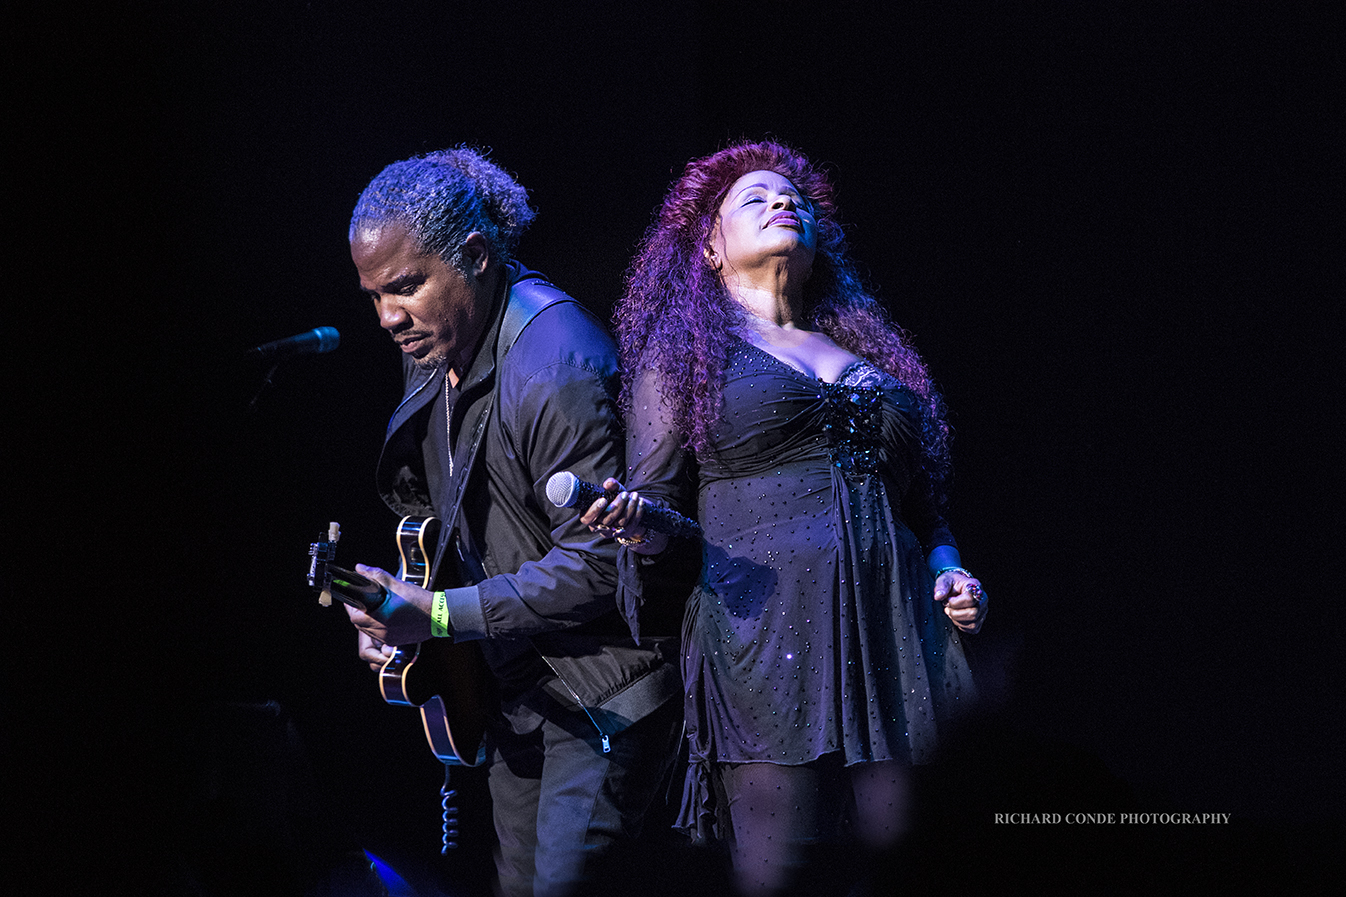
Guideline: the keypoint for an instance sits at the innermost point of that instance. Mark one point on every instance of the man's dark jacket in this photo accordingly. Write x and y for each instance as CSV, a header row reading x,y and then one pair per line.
x,y
544,585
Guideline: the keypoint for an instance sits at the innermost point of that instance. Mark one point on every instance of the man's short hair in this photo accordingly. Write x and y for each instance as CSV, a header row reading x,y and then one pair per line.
x,y
441,198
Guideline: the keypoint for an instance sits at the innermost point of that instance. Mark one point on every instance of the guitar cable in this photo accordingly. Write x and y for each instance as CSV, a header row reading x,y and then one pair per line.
x,y
449,802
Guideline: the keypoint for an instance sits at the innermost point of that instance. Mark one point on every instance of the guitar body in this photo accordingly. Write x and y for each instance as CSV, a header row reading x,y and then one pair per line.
x,y
445,680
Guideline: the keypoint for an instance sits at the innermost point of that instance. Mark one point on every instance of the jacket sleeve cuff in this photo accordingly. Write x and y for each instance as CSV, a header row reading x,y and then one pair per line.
x,y
466,618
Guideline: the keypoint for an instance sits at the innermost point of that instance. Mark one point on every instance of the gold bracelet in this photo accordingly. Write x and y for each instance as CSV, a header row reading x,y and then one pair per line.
x,y
628,540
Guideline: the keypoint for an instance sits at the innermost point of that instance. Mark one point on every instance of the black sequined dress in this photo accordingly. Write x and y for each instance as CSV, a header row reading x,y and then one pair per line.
x,y
813,630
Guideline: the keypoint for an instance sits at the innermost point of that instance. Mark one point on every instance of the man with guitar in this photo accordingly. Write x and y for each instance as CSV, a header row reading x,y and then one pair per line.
x,y
508,382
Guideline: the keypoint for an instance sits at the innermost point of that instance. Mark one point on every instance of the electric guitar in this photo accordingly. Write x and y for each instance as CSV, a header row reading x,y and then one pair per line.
x,y
444,679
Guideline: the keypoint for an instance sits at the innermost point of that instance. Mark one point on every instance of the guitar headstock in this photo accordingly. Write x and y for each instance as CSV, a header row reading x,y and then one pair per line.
x,y
332,581
323,552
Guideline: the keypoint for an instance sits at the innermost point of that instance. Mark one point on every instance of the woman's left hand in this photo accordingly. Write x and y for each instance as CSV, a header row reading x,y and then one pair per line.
x,y
963,598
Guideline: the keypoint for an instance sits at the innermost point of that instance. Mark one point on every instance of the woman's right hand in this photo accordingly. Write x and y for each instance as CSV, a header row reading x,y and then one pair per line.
x,y
617,515
617,510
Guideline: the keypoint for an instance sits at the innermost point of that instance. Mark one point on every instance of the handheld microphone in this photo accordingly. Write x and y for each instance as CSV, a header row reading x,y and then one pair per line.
x,y
315,341
565,490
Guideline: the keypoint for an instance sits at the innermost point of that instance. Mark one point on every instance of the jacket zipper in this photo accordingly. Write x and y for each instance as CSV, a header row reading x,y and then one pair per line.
x,y
603,736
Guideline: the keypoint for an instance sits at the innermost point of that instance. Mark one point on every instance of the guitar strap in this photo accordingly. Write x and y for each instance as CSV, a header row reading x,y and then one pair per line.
x,y
528,296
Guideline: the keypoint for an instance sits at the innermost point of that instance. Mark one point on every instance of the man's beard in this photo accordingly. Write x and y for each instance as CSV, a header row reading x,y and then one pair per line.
x,y
431,361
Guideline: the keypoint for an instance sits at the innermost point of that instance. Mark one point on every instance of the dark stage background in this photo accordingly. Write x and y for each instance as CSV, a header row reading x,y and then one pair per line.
x,y
1111,229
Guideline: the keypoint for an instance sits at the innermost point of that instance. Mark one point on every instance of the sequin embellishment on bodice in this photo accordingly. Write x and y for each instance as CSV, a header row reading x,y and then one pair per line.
x,y
853,419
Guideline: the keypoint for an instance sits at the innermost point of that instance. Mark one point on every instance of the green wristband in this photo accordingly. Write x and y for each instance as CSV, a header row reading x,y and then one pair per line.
x,y
439,616
943,570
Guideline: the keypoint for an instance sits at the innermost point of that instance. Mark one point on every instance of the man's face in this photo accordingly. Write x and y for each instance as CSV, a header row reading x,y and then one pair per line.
x,y
433,312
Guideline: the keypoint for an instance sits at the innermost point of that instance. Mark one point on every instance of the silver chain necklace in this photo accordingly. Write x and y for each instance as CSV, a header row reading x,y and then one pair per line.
x,y
448,421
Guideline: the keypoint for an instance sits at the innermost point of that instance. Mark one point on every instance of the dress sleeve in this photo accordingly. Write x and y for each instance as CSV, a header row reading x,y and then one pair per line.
x,y
922,507
663,471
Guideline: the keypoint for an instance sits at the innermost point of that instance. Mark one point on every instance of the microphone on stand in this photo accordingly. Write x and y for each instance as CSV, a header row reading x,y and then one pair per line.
x,y
565,490
315,341
311,342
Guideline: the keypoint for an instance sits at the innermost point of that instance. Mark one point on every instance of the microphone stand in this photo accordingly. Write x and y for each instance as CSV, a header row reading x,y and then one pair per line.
x,y
266,383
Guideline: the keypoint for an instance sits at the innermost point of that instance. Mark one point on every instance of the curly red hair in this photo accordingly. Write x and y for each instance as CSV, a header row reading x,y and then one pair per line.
x,y
677,319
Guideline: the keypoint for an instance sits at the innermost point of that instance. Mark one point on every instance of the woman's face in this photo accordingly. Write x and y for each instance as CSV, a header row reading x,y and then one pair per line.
x,y
764,220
